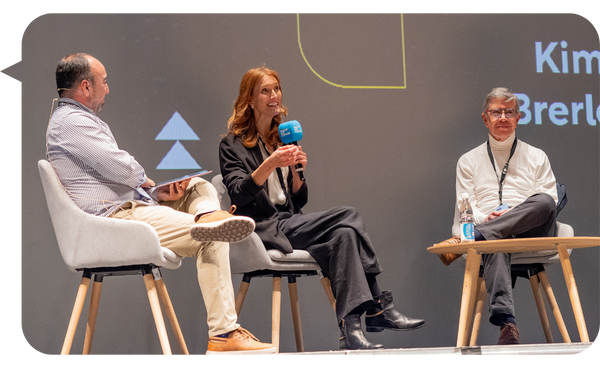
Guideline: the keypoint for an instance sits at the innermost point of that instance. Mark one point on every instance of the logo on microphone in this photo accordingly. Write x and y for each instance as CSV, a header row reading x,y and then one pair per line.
x,y
283,133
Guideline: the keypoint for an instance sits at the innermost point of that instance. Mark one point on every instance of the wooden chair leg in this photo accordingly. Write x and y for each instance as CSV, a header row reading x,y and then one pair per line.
x,y
573,294
93,314
156,312
327,287
79,300
239,299
169,310
480,297
554,307
276,312
539,302
293,287
468,295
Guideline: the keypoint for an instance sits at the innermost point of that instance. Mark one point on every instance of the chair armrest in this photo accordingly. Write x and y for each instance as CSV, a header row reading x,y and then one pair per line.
x,y
564,230
248,255
110,242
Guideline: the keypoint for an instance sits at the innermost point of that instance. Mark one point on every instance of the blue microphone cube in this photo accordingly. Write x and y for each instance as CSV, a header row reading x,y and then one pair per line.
x,y
290,131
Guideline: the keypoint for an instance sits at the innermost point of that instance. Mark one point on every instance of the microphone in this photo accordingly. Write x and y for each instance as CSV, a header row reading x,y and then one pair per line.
x,y
290,132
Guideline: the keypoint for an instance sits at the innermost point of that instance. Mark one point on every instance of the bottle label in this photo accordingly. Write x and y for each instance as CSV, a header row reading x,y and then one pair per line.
x,y
467,232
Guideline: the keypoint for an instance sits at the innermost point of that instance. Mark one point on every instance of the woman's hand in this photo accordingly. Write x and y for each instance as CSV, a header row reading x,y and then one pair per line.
x,y
282,157
302,160
301,157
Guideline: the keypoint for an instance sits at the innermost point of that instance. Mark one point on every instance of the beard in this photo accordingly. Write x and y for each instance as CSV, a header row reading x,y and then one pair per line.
x,y
97,106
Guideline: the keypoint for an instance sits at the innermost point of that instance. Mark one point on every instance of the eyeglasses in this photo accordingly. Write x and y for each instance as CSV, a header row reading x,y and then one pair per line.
x,y
497,113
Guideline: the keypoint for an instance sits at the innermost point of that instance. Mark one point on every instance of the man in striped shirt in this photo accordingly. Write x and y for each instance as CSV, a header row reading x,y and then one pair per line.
x,y
104,180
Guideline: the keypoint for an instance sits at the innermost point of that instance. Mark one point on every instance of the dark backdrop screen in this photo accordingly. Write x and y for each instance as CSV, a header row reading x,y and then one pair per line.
x,y
387,102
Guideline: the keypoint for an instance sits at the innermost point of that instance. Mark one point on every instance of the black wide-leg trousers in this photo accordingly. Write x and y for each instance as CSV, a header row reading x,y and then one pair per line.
x,y
338,241
536,217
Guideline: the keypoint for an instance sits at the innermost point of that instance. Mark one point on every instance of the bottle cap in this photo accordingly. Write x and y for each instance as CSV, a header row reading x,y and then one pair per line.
x,y
465,195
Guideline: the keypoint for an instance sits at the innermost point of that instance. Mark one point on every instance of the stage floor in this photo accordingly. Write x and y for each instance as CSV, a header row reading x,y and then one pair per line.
x,y
562,348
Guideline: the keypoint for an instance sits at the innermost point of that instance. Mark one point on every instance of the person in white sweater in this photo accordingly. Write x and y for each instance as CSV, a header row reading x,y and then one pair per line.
x,y
504,170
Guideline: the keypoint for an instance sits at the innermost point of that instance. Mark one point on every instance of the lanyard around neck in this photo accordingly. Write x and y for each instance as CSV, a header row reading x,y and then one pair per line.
x,y
504,170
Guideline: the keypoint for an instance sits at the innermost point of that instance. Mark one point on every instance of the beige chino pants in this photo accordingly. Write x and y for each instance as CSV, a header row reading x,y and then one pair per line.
x,y
172,221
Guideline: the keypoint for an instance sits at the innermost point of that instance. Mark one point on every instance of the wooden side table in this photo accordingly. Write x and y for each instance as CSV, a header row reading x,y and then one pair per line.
x,y
474,250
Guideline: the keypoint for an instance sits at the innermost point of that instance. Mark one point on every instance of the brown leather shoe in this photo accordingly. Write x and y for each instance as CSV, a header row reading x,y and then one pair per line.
x,y
509,334
239,341
449,258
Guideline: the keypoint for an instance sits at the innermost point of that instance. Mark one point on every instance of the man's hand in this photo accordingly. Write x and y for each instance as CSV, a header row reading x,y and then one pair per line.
x,y
495,214
148,184
173,191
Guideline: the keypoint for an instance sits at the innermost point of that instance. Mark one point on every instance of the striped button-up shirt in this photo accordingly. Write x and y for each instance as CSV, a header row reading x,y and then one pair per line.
x,y
96,174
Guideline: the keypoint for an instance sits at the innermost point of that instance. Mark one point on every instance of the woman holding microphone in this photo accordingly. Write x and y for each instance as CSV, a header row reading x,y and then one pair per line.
x,y
258,171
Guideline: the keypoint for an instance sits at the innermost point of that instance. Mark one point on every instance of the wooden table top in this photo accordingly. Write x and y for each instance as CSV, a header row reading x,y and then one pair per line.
x,y
518,245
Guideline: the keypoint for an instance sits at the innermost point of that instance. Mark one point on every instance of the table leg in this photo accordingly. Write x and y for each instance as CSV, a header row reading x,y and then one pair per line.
x,y
468,295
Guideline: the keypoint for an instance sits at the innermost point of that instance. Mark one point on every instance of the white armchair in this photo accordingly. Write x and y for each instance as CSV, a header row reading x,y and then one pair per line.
x,y
102,247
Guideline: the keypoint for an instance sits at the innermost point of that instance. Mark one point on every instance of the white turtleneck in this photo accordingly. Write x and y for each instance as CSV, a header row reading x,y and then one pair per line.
x,y
501,150
529,172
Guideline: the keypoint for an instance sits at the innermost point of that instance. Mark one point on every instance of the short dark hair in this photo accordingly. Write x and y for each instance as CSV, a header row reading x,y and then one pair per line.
x,y
71,70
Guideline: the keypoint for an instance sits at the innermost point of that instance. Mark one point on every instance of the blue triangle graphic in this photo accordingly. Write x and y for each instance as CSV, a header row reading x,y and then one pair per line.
x,y
177,129
178,158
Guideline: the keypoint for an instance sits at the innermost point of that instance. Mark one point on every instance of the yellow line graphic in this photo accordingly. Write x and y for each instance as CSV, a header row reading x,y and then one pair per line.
x,y
363,87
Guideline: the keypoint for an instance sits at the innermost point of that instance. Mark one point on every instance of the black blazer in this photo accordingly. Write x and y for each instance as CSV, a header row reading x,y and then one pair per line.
x,y
237,165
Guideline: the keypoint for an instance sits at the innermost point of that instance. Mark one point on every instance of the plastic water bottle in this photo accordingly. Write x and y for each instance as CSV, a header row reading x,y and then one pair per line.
x,y
467,230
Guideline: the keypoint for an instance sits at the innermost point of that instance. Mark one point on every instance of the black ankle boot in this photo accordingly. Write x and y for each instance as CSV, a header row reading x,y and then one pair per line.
x,y
352,336
383,314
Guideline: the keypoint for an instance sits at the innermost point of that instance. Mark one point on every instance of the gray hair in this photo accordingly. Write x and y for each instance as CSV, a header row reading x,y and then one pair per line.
x,y
500,93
